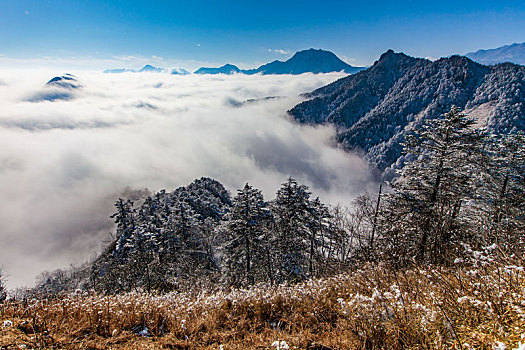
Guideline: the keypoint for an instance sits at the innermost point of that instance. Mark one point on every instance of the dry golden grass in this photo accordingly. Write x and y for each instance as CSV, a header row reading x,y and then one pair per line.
x,y
463,307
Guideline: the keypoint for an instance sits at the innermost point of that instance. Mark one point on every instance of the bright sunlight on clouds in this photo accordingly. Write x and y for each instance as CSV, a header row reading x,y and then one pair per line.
x,y
63,162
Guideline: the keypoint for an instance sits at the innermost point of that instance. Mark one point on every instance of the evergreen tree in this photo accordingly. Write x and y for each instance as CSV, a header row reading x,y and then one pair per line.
x,y
423,216
292,211
246,226
501,192
321,236
124,218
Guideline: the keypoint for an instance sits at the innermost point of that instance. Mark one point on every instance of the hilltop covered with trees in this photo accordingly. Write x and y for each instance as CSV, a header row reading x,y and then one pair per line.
x,y
374,110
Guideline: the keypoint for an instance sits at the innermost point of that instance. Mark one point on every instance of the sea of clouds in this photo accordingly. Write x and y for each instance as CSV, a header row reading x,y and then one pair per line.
x,y
64,162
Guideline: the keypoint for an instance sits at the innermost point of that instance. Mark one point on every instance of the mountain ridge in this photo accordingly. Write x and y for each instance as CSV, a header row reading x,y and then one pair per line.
x,y
225,69
148,68
513,53
374,109
151,69
305,61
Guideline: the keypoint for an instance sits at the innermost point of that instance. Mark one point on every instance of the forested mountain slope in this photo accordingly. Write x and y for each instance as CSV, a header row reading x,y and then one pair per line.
x,y
376,108
198,235
169,235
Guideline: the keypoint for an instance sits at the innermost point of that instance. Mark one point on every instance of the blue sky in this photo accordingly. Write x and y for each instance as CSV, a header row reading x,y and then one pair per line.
x,y
248,32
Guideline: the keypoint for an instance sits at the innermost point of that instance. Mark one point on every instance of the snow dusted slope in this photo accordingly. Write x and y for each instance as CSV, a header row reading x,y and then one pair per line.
x,y
374,109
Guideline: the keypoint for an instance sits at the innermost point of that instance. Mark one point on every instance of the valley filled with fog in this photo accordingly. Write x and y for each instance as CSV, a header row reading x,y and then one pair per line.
x,y
66,154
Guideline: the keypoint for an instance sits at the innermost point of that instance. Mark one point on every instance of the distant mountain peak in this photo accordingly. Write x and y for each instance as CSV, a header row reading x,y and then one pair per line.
x,y
305,61
308,61
388,55
119,70
179,71
151,69
226,69
66,81
513,53
148,68
312,52
391,56
59,88
229,66
315,54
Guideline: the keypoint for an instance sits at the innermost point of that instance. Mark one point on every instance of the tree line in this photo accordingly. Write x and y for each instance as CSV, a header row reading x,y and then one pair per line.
x,y
460,190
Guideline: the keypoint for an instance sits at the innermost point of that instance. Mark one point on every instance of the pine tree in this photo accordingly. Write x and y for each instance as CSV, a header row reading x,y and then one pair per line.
x,y
124,218
424,211
292,212
320,234
246,227
501,191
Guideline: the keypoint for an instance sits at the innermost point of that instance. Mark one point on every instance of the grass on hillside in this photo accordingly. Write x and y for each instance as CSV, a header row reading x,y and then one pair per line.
x,y
462,307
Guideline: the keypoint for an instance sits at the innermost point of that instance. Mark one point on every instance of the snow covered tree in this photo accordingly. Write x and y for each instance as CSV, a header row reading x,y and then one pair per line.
x,y
509,207
500,193
169,238
320,235
184,222
361,227
124,218
292,212
246,232
3,288
342,238
423,216
62,280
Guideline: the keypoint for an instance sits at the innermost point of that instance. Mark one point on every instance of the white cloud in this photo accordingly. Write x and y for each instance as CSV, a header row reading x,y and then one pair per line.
x,y
281,51
64,163
128,58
